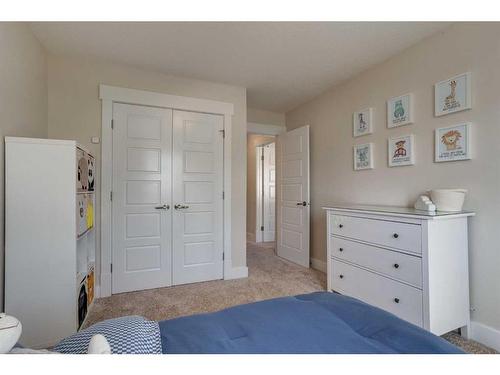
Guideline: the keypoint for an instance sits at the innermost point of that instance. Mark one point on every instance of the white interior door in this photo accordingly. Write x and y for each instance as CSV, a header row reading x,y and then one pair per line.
x,y
197,197
269,206
293,196
142,227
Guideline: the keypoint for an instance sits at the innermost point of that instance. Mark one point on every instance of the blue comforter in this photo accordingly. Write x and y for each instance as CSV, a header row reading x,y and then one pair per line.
x,y
311,323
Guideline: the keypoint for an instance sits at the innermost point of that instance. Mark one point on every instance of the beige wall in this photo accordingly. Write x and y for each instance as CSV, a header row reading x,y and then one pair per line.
x,y
75,113
253,140
23,99
265,117
461,48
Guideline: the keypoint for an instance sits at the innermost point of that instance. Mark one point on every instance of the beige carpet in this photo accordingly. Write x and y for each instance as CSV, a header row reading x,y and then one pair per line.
x,y
269,277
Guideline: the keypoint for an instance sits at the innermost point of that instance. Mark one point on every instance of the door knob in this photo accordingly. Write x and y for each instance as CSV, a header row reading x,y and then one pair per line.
x,y
164,207
180,206
302,204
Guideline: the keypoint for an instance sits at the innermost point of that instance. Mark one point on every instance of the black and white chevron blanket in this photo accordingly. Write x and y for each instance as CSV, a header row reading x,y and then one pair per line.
x,y
126,335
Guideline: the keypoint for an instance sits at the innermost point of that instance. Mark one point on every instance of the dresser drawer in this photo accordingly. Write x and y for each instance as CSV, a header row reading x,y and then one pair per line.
x,y
404,267
400,299
386,233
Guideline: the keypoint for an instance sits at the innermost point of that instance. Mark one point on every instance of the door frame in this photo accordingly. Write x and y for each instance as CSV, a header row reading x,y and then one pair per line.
x,y
112,94
259,219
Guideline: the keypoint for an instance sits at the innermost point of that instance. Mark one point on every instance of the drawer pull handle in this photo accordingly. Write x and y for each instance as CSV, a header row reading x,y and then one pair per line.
x,y
340,249
396,300
341,276
395,235
396,265
341,225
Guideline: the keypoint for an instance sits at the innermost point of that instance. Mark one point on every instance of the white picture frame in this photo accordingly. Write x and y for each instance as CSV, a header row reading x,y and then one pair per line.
x,y
453,95
452,143
363,156
362,122
401,150
400,110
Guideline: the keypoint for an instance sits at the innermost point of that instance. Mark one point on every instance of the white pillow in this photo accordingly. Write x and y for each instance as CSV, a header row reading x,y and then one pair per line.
x,y
99,345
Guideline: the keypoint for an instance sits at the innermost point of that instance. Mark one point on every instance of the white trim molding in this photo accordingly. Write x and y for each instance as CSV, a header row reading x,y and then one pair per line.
x,y
265,129
110,95
259,154
319,265
157,99
250,237
235,273
485,335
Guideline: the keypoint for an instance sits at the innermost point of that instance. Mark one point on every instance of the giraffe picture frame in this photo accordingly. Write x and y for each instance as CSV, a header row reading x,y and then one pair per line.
x,y
452,95
362,122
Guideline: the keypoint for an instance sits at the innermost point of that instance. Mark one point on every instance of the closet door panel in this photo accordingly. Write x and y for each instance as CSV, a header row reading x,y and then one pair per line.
x,y
197,197
142,181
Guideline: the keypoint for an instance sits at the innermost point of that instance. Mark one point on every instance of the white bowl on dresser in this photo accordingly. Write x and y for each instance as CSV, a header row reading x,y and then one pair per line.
x,y
411,263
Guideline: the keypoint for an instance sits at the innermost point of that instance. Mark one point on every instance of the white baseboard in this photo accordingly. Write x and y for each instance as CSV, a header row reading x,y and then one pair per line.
x,y
97,292
250,237
485,335
318,265
235,273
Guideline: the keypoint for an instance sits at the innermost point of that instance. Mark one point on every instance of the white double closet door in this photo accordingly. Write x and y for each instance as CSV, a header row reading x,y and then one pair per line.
x,y
167,197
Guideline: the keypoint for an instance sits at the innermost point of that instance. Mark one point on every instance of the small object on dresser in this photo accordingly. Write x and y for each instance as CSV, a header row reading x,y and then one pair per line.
x,y
10,331
425,204
448,199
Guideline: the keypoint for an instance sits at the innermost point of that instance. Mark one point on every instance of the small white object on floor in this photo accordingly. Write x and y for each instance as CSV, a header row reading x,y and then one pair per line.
x,y
99,345
10,331
425,204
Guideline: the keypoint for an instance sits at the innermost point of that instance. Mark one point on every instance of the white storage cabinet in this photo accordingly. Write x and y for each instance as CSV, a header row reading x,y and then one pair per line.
x,y
49,237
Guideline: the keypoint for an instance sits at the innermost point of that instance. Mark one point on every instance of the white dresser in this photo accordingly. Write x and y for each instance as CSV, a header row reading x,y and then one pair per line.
x,y
411,263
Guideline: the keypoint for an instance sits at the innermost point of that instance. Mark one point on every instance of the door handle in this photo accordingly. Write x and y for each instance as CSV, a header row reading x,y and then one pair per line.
x,y
164,207
180,206
302,204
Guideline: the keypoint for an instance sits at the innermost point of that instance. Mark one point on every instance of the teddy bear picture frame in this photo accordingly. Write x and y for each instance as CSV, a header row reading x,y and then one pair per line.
x,y
401,150
452,143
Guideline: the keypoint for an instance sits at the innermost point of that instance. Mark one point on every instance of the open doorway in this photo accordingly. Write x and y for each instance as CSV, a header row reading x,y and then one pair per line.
x,y
261,178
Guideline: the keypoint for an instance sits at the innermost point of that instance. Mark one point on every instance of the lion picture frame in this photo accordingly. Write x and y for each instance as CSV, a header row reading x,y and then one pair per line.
x,y
453,143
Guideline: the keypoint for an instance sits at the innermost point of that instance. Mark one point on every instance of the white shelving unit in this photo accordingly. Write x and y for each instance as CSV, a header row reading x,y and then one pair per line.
x,y
49,237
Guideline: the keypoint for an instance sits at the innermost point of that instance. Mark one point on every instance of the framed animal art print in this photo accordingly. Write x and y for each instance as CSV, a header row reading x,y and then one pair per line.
x,y
363,156
452,95
453,143
362,122
401,151
400,111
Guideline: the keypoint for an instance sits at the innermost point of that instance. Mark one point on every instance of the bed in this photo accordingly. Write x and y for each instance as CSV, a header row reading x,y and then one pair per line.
x,y
310,323
319,322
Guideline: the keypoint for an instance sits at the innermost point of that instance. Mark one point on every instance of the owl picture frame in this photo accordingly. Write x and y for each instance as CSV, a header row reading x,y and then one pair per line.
x,y
362,122
401,150
452,143
400,110
453,95
363,156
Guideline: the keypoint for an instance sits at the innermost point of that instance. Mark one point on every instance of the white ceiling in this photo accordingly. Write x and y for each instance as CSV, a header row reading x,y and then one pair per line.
x,y
282,64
